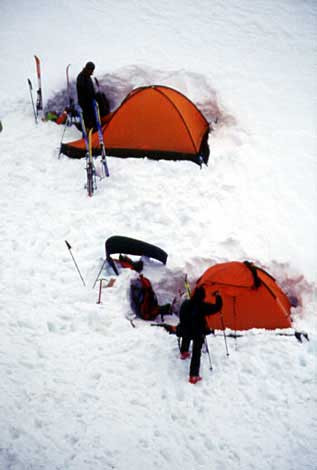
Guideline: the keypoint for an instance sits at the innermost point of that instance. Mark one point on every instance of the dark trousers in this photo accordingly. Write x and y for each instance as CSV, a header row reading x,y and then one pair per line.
x,y
89,117
198,342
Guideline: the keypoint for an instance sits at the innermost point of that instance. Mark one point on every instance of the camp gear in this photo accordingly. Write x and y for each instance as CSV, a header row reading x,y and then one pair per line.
x,y
54,117
76,265
91,185
127,262
251,297
110,283
103,103
131,246
156,122
32,101
90,169
143,298
100,136
39,99
69,95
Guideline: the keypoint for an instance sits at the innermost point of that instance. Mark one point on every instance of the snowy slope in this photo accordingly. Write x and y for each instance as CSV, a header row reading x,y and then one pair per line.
x,y
81,388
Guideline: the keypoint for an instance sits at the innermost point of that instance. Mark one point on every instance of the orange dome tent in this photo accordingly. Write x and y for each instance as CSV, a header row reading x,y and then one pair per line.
x,y
154,121
251,297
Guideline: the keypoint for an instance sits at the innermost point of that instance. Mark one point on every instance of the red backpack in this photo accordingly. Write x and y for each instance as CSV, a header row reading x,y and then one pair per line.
x,y
143,299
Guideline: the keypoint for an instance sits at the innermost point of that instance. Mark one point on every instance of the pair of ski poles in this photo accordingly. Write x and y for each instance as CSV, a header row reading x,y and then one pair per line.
x,y
226,345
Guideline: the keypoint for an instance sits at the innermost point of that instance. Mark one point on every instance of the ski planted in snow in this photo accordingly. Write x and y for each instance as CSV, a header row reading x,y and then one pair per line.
x,y
101,140
90,168
91,185
39,96
70,99
32,101
70,115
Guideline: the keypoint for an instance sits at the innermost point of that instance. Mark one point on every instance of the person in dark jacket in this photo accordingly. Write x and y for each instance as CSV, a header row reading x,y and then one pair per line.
x,y
86,94
193,327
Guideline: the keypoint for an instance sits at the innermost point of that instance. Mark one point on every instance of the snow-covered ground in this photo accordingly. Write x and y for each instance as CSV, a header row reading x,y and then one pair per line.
x,y
80,388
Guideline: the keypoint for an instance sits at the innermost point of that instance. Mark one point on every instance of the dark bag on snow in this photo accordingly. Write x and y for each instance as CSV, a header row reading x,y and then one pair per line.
x,y
143,299
104,107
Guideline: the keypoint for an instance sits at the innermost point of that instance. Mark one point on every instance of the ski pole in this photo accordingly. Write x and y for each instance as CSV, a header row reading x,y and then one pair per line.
x,y
224,333
99,272
100,289
31,88
70,248
207,350
66,124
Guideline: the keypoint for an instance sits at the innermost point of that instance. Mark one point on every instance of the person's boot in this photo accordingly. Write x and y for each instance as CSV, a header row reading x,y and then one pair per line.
x,y
193,379
184,355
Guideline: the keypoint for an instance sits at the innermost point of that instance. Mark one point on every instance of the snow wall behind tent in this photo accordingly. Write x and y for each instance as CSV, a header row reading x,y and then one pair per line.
x,y
154,121
251,297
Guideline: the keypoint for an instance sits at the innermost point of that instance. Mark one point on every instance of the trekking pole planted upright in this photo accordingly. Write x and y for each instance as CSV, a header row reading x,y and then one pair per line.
x,y
101,140
32,101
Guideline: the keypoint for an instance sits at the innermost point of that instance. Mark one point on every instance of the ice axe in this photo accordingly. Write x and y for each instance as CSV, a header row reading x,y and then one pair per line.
x,y
70,251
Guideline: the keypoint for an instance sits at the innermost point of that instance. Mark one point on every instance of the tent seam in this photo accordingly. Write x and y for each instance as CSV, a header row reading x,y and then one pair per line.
x,y
179,113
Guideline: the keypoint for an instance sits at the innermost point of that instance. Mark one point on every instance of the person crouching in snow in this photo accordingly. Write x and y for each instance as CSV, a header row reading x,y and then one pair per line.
x,y
193,327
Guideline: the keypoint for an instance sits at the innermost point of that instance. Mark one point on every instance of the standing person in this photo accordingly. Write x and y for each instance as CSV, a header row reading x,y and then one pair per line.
x,y
193,327
86,94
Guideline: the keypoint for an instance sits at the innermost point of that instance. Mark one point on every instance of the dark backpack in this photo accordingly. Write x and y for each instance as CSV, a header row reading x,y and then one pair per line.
x,y
143,299
104,107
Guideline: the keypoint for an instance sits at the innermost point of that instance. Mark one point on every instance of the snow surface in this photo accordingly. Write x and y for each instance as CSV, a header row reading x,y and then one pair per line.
x,y
80,388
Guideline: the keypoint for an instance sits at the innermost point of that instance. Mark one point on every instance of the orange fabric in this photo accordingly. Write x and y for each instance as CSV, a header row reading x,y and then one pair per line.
x,y
244,306
61,118
153,118
156,118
